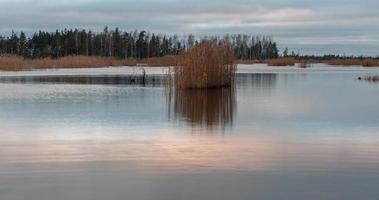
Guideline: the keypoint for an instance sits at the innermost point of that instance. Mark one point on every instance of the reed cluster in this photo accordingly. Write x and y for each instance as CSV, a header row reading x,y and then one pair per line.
x,y
355,61
206,65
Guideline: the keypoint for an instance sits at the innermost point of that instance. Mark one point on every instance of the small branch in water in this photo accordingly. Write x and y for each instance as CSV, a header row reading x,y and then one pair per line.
x,y
373,79
143,75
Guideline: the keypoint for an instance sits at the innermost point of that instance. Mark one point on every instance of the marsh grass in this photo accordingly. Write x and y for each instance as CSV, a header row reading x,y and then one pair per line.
x,y
206,65
249,62
360,62
270,62
166,61
280,62
15,63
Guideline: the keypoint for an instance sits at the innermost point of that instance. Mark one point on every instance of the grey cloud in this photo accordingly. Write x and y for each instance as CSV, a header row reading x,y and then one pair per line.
x,y
291,22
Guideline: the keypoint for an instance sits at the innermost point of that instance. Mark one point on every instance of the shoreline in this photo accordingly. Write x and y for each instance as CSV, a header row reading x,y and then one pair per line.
x,y
14,63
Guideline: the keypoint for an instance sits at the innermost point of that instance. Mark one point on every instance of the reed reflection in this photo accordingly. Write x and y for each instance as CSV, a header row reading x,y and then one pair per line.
x,y
208,108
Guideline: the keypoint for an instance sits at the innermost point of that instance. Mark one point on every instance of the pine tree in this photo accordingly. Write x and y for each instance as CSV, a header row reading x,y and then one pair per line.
x,y
127,44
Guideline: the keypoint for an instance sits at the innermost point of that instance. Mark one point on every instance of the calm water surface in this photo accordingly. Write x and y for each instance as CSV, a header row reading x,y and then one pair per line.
x,y
280,133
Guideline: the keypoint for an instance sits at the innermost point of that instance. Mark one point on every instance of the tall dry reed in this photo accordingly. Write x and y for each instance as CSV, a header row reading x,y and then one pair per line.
x,y
206,65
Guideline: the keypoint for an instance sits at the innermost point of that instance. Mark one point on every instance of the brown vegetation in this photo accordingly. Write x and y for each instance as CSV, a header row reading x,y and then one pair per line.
x,y
15,63
305,63
360,62
161,61
207,65
271,62
280,62
248,62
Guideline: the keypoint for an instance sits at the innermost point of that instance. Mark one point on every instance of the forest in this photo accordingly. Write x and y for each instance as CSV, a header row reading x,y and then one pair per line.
x,y
124,45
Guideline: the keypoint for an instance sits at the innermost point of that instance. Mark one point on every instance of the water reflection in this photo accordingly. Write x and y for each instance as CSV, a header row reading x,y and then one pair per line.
x,y
256,81
155,80
208,108
371,79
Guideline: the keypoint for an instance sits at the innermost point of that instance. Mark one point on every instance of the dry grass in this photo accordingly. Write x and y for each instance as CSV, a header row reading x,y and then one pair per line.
x,y
305,63
161,61
360,62
270,62
206,65
248,62
280,62
14,63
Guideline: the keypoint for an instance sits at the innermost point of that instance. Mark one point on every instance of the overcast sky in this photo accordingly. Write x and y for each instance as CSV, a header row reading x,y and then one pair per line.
x,y
313,26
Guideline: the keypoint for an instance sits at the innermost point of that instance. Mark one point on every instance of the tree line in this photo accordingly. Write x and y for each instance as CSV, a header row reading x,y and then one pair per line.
x,y
123,44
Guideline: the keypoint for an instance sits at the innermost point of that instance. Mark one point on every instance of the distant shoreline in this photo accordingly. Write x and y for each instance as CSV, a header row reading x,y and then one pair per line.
x,y
15,63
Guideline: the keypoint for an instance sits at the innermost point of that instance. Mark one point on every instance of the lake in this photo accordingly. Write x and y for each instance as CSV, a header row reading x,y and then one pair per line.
x,y
279,133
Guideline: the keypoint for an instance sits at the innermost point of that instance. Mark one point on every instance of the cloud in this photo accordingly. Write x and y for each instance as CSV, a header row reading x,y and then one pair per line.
x,y
290,21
